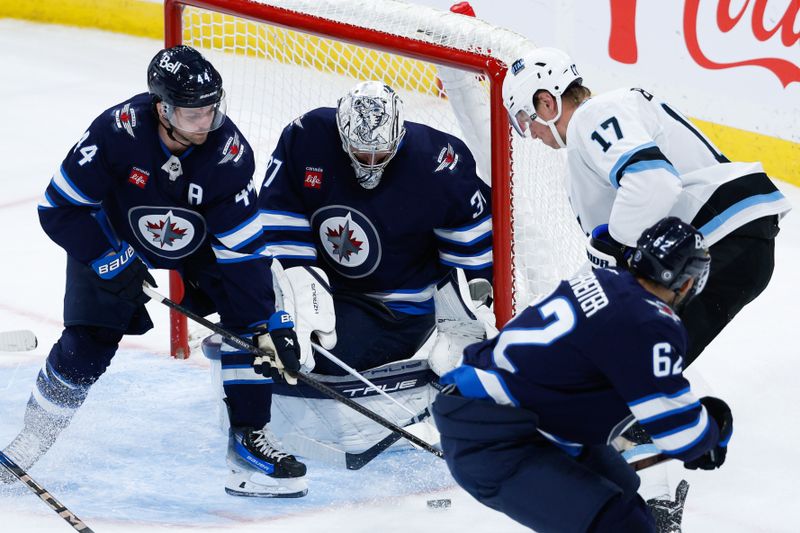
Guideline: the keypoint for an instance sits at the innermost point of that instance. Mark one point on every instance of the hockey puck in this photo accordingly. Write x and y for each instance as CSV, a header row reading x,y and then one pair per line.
x,y
439,504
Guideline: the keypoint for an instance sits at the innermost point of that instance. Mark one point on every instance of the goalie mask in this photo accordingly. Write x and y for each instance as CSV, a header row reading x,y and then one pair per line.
x,y
189,89
370,123
543,69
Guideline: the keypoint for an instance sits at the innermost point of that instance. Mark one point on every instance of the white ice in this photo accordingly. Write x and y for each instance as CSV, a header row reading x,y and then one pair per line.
x,y
144,451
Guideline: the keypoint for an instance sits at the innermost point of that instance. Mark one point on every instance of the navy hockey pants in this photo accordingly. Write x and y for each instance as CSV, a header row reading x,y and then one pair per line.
x,y
741,267
369,334
497,455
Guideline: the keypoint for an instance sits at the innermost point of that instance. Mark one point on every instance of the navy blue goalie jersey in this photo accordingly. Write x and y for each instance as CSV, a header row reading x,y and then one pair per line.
x,y
120,183
597,352
429,213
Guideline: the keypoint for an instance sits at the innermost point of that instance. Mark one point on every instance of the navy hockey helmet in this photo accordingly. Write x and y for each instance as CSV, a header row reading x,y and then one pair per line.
x,y
671,252
182,79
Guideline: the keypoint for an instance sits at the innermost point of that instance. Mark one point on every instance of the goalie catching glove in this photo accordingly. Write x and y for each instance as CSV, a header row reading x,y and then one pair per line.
x,y
603,251
283,350
304,293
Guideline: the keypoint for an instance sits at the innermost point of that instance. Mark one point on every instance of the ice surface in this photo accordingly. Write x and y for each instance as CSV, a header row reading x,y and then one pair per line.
x,y
144,451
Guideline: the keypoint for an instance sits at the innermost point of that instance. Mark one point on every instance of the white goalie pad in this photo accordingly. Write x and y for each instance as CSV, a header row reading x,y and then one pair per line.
x,y
304,293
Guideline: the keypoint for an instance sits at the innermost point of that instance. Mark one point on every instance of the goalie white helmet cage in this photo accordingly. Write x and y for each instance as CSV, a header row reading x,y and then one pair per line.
x,y
543,69
370,122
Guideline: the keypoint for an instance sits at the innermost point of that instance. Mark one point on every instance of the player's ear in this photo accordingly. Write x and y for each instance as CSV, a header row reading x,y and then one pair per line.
x,y
687,286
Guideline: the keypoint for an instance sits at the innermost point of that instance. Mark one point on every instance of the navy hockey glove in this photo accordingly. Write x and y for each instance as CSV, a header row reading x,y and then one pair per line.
x,y
281,342
604,251
123,273
721,413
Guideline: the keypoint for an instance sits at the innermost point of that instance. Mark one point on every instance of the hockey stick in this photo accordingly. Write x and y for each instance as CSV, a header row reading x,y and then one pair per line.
x,y
17,341
353,372
45,496
311,382
308,447
647,462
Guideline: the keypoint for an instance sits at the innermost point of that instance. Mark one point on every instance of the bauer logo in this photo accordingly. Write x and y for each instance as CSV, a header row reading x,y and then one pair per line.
x,y
168,232
349,240
313,179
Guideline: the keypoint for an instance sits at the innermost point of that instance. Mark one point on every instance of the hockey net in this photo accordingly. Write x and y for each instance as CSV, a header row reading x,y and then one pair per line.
x,y
281,58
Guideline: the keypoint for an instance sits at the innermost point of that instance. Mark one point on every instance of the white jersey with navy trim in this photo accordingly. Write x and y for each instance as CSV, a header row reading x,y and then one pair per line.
x,y
633,159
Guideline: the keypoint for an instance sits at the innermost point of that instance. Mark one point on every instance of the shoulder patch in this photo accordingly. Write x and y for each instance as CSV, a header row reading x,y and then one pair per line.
x,y
447,159
125,119
664,309
233,150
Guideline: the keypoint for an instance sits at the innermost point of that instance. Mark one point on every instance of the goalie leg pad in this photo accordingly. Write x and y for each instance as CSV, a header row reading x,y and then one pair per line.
x,y
371,334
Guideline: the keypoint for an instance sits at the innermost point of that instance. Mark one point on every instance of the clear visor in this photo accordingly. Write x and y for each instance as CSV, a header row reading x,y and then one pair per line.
x,y
197,119
522,121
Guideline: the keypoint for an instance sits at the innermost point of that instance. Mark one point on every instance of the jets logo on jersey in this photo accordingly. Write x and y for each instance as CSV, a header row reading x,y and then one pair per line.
x,y
233,150
664,309
313,179
349,240
138,177
125,119
448,159
170,232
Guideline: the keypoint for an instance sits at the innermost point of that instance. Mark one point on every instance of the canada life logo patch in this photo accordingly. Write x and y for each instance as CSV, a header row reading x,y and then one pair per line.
x,y
138,177
313,179
169,232
349,240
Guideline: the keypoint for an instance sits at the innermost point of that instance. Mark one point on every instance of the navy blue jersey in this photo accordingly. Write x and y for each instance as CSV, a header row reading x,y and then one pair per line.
x,y
120,183
597,350
430,212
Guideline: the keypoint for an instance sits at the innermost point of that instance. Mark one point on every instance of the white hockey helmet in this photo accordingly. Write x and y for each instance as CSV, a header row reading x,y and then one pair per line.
x,y
543,69
370,122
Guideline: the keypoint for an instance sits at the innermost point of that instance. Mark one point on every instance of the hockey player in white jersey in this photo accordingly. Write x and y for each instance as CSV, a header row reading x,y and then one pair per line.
x,y
633,159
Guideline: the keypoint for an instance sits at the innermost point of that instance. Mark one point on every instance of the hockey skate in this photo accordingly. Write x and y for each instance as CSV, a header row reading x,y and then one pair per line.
x,y
259,469
668,513
37,436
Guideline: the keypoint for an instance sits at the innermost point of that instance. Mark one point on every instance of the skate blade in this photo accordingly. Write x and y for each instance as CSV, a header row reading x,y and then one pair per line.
x,y
243,493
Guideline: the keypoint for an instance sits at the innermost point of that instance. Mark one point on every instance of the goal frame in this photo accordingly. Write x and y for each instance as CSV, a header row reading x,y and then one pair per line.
x,y
492,68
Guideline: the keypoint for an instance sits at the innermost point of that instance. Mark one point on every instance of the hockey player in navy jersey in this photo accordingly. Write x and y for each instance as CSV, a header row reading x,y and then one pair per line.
x,y
163,180
382,209
527,428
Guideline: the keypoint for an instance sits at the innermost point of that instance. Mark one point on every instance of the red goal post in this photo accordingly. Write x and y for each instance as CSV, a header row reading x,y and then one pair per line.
x,y
403,44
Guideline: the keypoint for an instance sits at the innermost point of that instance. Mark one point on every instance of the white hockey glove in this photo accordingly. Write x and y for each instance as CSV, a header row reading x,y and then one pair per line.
x,y
480,293
603,251
304,293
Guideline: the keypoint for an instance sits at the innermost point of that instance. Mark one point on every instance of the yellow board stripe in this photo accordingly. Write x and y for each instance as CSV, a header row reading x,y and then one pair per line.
x,y
781,158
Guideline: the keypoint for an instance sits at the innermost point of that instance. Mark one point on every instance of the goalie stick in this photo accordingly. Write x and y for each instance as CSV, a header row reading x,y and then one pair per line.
x,y
45,496
309,447
311,382
17,341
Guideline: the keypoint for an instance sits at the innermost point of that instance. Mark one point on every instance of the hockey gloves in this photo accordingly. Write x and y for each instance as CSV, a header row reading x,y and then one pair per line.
x,y
123,273
280,343
604,251
721,413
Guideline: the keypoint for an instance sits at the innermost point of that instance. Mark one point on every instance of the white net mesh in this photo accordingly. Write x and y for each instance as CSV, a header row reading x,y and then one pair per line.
x,y
274,74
